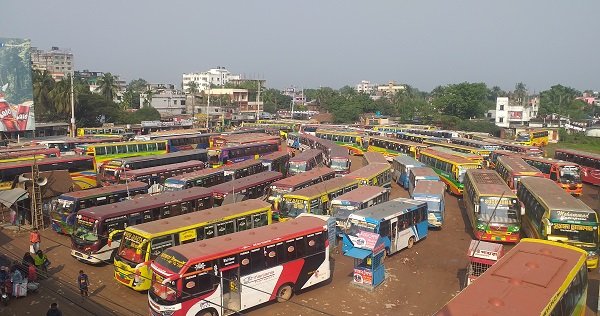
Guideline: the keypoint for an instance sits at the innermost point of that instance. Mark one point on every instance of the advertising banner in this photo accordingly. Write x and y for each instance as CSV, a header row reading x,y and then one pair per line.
x,y
515,115
16,87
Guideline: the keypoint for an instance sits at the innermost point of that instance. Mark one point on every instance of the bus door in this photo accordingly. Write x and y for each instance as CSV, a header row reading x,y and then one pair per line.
x,y
393,234
232,291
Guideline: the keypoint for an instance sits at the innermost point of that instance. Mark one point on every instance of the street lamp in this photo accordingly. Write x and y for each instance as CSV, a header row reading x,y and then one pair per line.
x,y
207,106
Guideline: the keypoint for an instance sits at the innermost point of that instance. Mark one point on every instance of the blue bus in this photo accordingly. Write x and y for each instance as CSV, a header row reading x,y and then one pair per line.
x,y
432,192
402,165
400,223
419,174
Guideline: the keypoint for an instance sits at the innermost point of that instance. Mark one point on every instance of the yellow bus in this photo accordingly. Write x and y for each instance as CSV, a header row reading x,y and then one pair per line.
x,y
460,148
451,168
351,140
108,151
142,243
472,157
532,138
379,175
392,147
536,277
116,132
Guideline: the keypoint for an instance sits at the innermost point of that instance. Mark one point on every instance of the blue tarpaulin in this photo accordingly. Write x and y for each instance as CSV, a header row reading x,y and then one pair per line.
x,y
358,253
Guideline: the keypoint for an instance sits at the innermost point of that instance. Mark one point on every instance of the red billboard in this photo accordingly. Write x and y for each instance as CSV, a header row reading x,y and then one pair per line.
x,y
515,115
16,87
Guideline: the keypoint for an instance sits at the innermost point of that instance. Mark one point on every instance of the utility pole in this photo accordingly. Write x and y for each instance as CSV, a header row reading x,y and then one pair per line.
x,y
73,131
258,102
207,107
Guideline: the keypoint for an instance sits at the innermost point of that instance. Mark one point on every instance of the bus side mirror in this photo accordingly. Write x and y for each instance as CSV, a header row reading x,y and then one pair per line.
x,y
476,208
522,208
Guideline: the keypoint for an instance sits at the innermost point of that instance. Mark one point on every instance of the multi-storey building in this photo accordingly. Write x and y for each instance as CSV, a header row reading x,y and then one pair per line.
x,y
389,89
92,77
58,62
515,112
165,100
365,86
216,77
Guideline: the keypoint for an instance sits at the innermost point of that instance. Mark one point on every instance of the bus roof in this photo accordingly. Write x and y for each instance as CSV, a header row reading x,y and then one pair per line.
x,y
407,160
171,167
369,170
193,152
452,145
448,157
144,202
44,161
580,153
274,155
429,187
399,141
554,196
489,182
549,160
253,144
375,157
208,215
246,182
517,165
134,185
303,177
123,143
242,165
533,269
196,174
323,187
473,141
384,210
199,251
424,172
306,155
361,194
457,153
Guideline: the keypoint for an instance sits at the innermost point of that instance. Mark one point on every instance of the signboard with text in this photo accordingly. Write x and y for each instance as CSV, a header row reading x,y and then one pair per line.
x,y
16,87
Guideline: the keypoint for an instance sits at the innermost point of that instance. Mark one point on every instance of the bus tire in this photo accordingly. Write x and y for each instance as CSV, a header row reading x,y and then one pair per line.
x,y
207,312
285,293
411,242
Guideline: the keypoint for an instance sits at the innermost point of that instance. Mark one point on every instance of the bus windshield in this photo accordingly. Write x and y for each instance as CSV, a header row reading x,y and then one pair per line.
x,y
342,212
85,232
277,193
132,247
297,167
523,137
173,186
357,226
575,233
294,208
213,155
506,212
570,174
162,293
63,206
339,164
461,173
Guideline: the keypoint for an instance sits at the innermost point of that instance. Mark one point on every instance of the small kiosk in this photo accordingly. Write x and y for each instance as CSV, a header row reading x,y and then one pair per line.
x,y
368,251
482,255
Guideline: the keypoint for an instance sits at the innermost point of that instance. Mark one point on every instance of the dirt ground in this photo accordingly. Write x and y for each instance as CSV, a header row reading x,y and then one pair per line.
x,y
419,280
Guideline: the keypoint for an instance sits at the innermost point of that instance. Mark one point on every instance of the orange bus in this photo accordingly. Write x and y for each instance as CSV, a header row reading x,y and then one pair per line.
x,y
566,174
512,169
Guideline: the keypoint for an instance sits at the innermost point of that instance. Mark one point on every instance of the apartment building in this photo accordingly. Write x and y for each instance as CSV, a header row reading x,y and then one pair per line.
x,y
216,77
515,112
58,62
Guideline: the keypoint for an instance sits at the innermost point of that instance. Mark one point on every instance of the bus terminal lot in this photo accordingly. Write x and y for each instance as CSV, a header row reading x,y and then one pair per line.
x,y
419,280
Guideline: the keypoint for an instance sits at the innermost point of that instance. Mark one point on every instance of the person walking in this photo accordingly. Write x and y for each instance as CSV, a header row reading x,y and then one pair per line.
x,y
84,283
41,263
34,238
54,311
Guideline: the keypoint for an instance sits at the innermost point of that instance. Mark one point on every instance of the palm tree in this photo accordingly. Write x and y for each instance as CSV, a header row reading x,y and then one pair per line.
x,y
192,89
61,96
42,86
148,96
108,86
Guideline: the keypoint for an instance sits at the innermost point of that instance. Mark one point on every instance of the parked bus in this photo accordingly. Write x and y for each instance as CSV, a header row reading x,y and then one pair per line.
x,y
374,158
391,147
225,275
499,153
565,174
402,166
460,148
158,174
552,214
363,197
451,168
419,174
351,140
400,223
297,182
493,209
108,151
374,175
63,210
186,142
202,178
68,145
116,132
512,169
517,148
306,161
278,161
532,138
588,162
95,225
315,199
113,171
417,138
474,143
240,139
472,157
144,242
227,155
81,168
242,169
558,286
7,155
432,192
334,156
250,187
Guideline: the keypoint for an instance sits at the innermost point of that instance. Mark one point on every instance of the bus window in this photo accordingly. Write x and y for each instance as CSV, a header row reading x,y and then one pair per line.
x,y
225,228
259,220
257,260
290,250
245,267
242,224
132,148
165,211
209,232
175,209
121,149
135,219
142,147
159,244
152,147
271,256
100,150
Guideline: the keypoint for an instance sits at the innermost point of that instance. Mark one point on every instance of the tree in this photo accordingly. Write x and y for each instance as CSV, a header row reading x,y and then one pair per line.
x,y
192,89
559,99
108,86
148,94
42,86
464,100
520,93
146,113
61,96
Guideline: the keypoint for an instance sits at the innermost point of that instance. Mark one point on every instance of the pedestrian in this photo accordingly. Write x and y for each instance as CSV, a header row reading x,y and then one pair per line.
x,y
41,263
54,311
16,277
35,238
28,260
83,282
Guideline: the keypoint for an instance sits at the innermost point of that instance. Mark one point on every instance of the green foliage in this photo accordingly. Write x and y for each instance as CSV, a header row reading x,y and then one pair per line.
x,y
464,100
561,100
275,100
146,113
108,86
455,123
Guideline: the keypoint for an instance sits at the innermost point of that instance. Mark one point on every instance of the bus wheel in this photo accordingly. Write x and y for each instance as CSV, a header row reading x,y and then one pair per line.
x,y
208,312
284,293
411,242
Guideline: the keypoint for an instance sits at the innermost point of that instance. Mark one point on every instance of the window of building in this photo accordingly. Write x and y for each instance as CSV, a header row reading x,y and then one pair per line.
x,y
501,120
501,107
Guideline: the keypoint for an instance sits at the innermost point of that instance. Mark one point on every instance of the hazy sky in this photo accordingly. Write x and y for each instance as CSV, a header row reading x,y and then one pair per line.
x,y
324,43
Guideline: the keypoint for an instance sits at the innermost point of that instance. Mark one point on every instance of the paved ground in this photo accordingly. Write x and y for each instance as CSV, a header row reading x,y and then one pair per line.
x,y
420,280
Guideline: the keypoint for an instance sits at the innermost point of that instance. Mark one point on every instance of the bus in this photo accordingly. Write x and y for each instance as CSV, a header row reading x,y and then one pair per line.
x,y
494,155
8,155
417,138
297,182
474,143
108,151
493,209
552,214
532,138
517,148
565,174
374,158
228,274
363,197
144,242
186,142
451,168
351,140
158,174
375,175
250,187
63,210
588,162
536,277
218,157
391,147
98,230
278,161
419,174
472,157
432,192
306,161
243,169
68,145
203,178
81,168
335,156
315,199
116,132
512,169
400,223
402,165
232,140
460,148
113,170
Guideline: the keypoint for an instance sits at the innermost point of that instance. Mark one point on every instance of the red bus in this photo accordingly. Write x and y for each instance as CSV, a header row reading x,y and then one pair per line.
x,y
250,187
227,274
498,153
566,174
203,178
243,169
230,140
512,169
517,148
588,162
8,155
227,155
305,161
158,174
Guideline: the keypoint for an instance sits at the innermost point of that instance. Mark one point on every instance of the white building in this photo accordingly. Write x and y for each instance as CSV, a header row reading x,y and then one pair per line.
x,y
217,77
509,112
166,101
365,86
58,62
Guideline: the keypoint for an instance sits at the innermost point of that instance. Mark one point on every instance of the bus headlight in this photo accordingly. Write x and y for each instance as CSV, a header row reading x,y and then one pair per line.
x,y
480,226
592,254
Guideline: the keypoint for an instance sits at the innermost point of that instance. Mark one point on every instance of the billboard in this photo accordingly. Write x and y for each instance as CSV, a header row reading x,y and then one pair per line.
x,y
515,115
16,87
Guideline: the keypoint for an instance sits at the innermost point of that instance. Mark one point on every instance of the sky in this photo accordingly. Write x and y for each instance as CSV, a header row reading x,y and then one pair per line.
x,y
311,44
